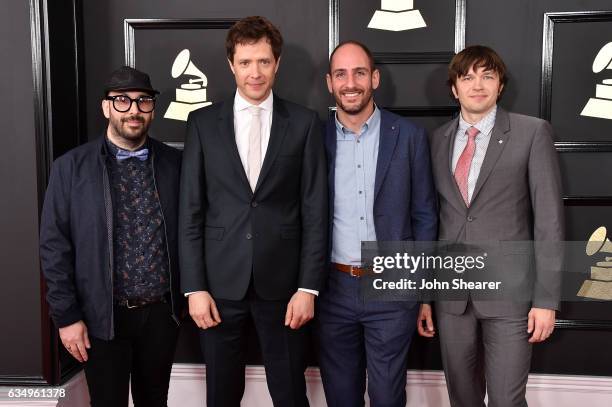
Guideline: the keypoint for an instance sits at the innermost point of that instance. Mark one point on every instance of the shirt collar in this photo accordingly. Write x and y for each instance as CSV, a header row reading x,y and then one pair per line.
x,y
343,132
241,103
484,126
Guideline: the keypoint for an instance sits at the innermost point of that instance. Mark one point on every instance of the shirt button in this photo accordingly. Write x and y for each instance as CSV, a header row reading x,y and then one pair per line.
x,y
360,192
254,204
358,141
470,219
249,236
361,218
358,165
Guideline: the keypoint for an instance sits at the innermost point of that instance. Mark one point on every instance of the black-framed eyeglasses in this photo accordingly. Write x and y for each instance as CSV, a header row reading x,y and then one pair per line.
x,y
123,103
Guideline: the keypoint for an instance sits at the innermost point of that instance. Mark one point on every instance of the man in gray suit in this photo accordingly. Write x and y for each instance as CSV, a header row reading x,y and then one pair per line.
x,y
498,179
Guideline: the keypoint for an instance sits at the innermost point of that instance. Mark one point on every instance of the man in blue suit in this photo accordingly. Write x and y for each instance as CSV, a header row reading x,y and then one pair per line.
x,y
381,189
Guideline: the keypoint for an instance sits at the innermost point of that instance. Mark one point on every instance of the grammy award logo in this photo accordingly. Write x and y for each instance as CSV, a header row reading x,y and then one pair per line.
x,y
601,105
190,96
397,15
600,285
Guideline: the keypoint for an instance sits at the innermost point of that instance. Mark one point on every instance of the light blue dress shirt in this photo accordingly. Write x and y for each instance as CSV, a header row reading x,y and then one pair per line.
x,y
355,174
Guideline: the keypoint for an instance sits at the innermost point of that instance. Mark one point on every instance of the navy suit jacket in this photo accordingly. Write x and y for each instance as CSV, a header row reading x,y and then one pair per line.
x,y
405,205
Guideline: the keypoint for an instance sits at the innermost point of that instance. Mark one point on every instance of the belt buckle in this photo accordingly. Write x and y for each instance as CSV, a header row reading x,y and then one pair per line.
x,y
354,274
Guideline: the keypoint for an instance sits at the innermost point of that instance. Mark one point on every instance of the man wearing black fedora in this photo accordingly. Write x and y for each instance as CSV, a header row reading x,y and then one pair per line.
x,y
108,247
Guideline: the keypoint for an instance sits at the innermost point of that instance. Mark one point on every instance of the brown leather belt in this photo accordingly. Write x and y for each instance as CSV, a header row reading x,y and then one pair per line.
x,y
140,302
353,271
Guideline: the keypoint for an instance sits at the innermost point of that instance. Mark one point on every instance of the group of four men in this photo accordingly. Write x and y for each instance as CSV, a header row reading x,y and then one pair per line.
x,y
265,214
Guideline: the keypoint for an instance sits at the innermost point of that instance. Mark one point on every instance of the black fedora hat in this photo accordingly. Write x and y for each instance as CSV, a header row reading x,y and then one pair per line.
x,y
128,78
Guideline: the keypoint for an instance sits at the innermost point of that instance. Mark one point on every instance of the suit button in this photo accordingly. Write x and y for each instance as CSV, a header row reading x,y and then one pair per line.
x,y
470,219
249,236
254,204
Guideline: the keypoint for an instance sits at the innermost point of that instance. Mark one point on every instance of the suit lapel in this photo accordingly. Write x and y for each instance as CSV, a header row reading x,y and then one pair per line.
x,y
389,131
280,119
499,138
228,139
446,179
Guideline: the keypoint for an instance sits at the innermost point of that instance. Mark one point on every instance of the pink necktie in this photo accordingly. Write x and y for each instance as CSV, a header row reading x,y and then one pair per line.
x,y
462,170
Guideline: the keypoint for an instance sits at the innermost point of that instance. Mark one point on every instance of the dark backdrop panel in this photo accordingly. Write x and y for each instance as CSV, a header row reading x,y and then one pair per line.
x,y
155,51
413,85
20,306
587,173
573,80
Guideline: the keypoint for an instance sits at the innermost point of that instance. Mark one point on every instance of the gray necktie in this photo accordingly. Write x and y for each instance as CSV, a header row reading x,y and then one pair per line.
x,y
254,155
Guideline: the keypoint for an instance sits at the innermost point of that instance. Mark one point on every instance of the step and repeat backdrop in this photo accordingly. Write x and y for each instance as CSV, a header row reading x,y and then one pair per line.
x,y
559,58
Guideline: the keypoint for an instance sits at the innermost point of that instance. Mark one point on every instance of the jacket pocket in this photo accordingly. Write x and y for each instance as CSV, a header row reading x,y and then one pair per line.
x,y
213,233
290,232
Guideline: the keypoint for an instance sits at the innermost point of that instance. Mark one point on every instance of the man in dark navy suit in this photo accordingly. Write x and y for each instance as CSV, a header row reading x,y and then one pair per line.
x,y
381,189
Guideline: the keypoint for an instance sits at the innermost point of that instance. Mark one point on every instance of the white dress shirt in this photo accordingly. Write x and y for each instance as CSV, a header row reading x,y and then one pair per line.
x,y
242,125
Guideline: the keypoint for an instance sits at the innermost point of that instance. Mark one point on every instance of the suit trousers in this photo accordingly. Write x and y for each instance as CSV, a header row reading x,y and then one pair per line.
x,y
283,349
356,335
142,349
485,354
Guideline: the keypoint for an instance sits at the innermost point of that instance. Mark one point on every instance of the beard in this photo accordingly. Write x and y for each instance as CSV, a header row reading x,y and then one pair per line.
x,y
354,109
121,128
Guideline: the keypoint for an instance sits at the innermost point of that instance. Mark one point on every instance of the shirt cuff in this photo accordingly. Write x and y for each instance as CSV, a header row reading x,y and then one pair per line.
x,y
192,292
306,290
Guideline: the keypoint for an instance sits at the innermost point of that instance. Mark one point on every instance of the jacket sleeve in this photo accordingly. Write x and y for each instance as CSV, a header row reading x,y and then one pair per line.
x,y
547,204
314,209
192,207
57,250
423,206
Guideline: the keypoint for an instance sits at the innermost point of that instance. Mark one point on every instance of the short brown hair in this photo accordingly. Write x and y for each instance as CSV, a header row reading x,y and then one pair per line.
x,y
477,56
250,30
356,43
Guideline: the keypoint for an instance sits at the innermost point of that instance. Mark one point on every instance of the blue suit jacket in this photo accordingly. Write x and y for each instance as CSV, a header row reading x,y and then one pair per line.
x,y
405,205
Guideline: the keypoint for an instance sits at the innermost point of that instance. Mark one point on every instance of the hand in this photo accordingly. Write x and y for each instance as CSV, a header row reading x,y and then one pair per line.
x,y
300,309
425,325
75,339
203,310
540,322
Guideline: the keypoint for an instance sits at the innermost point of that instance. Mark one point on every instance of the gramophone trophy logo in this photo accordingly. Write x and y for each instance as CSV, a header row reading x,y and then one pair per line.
x,y
397,15
600,285
190,96
601,105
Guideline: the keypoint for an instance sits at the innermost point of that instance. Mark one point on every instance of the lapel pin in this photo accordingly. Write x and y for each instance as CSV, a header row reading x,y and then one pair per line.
x,y
500,141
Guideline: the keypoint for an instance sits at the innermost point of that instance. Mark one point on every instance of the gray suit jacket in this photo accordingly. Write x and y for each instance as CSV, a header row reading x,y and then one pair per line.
x,y
517,197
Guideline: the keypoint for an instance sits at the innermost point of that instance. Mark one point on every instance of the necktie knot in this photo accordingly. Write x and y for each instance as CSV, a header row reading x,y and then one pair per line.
x,y
254,110
472,132
141,154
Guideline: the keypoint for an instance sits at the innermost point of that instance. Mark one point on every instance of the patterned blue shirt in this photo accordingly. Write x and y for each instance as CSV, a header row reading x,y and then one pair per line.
x,y
141,268
355,173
